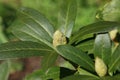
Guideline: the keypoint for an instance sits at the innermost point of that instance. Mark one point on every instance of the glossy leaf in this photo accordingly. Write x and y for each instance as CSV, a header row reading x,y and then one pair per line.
x,y
4,70
86,45
84,72
115,61
79,77
67,15
51,73
49,60
102,47
77,56
33,25
38,18
23,49
98,27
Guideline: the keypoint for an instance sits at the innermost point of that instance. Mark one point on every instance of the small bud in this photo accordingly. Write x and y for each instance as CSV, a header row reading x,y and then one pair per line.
x,y
100,67
113,34
59,38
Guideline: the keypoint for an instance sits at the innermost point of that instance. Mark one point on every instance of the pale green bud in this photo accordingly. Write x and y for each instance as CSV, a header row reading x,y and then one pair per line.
x,y
100,67
59,38
113,34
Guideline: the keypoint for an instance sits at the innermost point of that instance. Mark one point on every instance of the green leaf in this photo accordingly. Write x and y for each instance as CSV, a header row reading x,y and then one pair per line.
x,y
86,45
33,25
67,15
51,73
79,77
84,72
23,49
45,7
98,27
115,77
4,70
3,38
115,61
111,11
66,64
38,18
102,47
77,56
49,60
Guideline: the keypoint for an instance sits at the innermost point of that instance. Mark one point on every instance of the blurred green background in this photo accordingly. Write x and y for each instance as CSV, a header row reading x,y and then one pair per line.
x,y
50,8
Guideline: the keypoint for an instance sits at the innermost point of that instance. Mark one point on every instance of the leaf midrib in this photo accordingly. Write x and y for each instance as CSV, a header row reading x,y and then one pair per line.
x,y
25,49
48,43
37,23
29,26
82,59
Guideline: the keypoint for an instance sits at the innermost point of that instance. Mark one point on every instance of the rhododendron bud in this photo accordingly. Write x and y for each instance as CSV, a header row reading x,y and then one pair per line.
x,y
113,34
100,67
59,38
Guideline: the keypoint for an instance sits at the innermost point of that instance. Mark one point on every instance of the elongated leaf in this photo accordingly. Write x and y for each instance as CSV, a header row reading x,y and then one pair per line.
x,y
79,77
77,56
98,27
86,45
102,47
115,61
23,49
38,18
33,25
4,70
84,72
67,16
49,60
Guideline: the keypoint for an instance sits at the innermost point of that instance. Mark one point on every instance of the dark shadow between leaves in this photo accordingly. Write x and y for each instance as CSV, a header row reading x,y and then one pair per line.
x,y
65,72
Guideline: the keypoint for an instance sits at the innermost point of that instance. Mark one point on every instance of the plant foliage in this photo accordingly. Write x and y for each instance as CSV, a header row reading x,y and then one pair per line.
x,y
35,34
